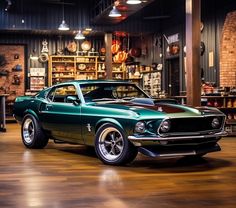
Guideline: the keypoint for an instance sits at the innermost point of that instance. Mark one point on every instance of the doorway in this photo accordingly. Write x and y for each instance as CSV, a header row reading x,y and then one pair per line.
x,y
173,76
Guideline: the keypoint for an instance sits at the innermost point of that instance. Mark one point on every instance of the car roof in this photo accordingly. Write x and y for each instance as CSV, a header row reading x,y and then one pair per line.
x,y
95,82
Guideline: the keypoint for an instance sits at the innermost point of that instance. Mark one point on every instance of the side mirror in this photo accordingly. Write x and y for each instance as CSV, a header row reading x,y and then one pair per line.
x,y
72,99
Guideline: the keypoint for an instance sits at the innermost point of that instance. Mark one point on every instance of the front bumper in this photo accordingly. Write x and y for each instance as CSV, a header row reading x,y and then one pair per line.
x,y
171,138
178,145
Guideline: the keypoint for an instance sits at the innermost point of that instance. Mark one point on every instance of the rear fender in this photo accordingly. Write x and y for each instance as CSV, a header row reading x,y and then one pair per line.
x,y
29,111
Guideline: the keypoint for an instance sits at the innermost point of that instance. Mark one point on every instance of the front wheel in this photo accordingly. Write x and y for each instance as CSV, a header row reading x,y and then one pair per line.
x,y
112,147
32,134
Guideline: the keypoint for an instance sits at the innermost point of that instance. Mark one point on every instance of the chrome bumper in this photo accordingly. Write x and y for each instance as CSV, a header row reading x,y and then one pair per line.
x,y
171,138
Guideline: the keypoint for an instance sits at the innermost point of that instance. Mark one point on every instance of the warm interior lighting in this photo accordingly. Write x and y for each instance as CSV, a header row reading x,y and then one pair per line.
x,y
133,2
79,36
114,12
88,29
63,25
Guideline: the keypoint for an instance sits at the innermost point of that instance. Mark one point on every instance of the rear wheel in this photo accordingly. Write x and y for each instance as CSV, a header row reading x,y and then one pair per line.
x,y
32,134
112,147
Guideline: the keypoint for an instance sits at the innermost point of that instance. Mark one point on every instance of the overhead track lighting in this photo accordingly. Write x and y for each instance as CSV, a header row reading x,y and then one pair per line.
x,y
79,36
133,2
63,26
114,12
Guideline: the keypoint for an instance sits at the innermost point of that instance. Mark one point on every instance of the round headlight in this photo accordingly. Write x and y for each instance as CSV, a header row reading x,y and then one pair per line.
x,y
165,126
140,127
215,123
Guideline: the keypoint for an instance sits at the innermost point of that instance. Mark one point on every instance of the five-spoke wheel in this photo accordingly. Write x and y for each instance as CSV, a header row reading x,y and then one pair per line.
x,y
112,147
32,134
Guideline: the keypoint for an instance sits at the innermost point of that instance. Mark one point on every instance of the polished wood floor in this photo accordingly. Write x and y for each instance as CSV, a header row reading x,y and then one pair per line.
x,y
62,176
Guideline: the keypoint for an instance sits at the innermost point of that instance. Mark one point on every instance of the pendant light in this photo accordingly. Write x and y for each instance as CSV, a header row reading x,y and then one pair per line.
x,y
133,2
79,36
114,12
63,26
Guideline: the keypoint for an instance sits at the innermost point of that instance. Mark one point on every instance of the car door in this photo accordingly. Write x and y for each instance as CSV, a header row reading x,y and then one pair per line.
x,y
60,117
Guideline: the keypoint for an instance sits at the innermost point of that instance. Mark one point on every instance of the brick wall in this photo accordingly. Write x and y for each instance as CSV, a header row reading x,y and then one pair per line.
x,y
8,84
228,52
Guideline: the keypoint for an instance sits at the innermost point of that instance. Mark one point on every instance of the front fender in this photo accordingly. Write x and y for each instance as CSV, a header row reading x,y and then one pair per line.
x,y
108,120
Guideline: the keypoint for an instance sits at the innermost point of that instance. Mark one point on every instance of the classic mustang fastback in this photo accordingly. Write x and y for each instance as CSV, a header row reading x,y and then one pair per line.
x,y
118,119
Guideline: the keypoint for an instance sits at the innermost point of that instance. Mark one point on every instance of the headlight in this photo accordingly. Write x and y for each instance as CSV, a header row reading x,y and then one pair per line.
x,y
140,127
165,126
215,123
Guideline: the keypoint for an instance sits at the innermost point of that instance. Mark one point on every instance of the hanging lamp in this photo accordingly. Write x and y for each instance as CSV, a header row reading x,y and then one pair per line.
x,y
79,36
114,12
133,2
63,26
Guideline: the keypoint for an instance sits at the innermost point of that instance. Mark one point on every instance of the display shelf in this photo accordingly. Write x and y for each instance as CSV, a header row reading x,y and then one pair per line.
x,y
152,83
62,68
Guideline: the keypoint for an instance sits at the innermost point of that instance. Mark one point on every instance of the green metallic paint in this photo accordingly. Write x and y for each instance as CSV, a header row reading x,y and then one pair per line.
x,y
79,123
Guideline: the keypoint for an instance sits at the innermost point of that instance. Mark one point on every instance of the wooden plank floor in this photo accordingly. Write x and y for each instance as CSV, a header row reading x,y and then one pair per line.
x,y
62,176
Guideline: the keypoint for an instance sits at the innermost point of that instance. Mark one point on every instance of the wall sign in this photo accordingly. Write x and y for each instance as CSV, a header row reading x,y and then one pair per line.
x,y
173,38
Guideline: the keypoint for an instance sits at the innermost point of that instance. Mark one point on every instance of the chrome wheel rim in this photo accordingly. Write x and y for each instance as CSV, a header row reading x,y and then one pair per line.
x,y
111,144
28,131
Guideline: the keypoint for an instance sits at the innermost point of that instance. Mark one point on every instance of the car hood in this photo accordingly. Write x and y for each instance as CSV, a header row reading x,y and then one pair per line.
x,y
151,109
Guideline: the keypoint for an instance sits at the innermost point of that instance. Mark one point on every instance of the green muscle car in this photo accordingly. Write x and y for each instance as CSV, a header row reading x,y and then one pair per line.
x,y
119,120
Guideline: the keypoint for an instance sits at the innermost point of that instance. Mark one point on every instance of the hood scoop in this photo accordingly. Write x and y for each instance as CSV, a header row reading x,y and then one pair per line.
x,y
161,105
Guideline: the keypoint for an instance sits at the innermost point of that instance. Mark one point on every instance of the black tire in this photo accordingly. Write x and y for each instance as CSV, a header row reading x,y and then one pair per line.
x,y
112,147
32,134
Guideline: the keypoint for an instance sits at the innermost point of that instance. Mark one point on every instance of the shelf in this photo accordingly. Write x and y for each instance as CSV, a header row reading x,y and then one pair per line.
x,y
230,121
63,61
117,71
62,71
135,78
86,71
145,72
63,77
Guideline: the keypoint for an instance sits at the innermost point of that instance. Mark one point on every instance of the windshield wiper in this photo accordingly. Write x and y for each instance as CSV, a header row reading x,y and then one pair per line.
x,y
103,99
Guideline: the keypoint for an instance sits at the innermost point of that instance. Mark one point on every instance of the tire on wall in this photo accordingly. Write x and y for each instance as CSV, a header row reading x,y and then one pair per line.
x,y
112,147
32,134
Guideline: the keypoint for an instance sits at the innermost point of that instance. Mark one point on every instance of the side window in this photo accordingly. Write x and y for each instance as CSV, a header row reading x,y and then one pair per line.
x,y
60,94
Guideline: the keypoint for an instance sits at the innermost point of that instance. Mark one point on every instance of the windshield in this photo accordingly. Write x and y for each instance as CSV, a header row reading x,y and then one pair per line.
x,y
111,91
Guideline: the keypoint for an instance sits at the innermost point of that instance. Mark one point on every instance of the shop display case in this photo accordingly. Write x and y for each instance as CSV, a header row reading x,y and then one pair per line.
x,y
67,68
86,67
37,79
152,83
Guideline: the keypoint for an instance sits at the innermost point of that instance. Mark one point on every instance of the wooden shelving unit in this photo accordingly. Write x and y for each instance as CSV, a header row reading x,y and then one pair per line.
x,y
66,68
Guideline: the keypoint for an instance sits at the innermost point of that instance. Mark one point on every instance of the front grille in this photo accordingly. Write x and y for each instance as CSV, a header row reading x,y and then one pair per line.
x,y
192,125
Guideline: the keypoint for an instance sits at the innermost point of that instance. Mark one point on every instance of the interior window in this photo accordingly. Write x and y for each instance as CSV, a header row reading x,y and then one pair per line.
x,y
60,94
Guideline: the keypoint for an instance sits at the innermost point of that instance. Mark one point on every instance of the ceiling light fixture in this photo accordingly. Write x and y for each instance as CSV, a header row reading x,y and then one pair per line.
x,y
133,2
79,36
9,3
63,26
114,12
